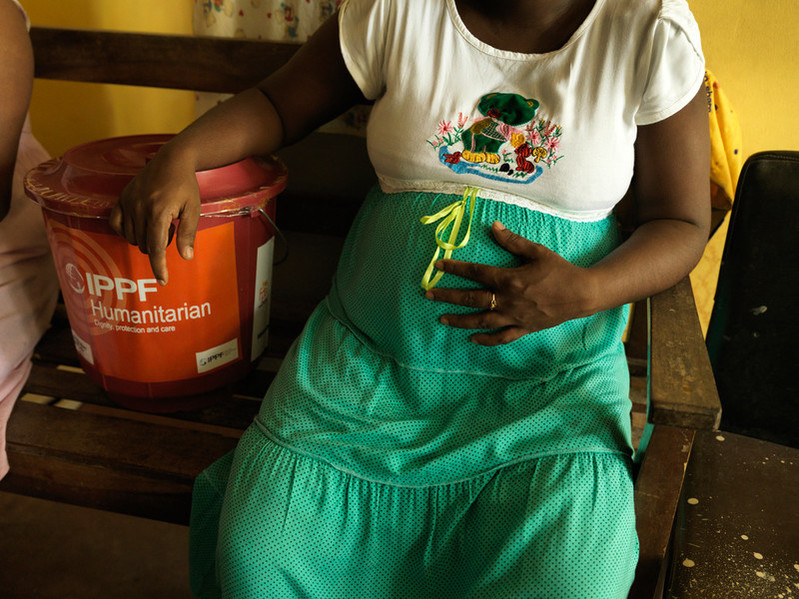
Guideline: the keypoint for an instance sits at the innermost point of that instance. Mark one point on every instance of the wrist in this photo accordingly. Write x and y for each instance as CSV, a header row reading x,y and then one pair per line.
x,y
595,291
178,155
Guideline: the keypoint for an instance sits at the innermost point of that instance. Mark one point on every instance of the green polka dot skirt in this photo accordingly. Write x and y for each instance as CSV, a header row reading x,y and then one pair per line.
x,y
393,458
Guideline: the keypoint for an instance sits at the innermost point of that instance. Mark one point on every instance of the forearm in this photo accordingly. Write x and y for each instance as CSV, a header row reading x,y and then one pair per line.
x,y
672,208
655,257
245,125
312,88
16,83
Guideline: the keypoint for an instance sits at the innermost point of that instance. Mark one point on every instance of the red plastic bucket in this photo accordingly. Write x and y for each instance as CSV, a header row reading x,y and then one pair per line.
x,y
148,346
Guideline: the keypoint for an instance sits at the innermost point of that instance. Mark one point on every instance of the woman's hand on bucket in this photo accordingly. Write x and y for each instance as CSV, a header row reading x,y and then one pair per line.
x,y
165,191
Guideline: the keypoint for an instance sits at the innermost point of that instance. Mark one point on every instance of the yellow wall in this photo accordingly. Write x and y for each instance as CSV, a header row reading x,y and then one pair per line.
x,y
65,114
753,50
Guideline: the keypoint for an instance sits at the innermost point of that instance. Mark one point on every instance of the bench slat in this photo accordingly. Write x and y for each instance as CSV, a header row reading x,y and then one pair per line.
x,y
233,406
168,61
138,468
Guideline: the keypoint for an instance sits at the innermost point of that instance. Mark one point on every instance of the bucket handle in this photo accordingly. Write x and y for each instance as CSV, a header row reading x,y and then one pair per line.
x,y
280,235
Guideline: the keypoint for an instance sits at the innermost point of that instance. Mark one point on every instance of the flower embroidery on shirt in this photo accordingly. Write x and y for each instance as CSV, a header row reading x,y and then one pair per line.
x,y
505,143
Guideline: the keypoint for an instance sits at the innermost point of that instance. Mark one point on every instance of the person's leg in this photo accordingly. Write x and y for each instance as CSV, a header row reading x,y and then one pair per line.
x,y
293,526
556,527
207,497
10,388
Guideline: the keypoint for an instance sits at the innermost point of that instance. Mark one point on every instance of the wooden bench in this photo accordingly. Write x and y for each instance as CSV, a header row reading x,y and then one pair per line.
x,y
103,456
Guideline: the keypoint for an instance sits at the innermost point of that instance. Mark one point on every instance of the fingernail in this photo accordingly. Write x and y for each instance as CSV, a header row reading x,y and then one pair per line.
x,y
188,253
444,320
162,282
429,295
499,226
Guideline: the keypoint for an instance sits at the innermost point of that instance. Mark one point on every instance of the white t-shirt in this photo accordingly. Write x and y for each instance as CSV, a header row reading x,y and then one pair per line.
x,y
553,132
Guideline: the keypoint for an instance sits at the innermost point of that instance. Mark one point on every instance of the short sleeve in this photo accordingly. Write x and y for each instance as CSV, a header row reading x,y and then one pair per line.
x,y
362,33
676,65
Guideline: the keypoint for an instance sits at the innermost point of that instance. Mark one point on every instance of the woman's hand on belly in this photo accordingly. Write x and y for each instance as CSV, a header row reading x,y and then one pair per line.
x,y
543,292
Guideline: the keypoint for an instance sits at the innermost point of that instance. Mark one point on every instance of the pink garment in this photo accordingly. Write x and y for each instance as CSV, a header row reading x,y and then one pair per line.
x,y
28,284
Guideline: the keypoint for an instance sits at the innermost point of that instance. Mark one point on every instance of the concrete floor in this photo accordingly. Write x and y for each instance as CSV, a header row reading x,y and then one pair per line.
x,y
50,550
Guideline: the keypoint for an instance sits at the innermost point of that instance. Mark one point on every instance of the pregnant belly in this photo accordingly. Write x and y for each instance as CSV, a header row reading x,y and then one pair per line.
x,y
377,289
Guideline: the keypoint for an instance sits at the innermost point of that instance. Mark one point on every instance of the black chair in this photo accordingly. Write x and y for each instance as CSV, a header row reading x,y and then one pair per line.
x,y
737,526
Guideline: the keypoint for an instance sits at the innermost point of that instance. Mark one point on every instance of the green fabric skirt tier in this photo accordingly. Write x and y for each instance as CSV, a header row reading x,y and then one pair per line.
x,y
393,458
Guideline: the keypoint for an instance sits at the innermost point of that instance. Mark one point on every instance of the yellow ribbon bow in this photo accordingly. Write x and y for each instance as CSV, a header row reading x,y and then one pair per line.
x,y
451,215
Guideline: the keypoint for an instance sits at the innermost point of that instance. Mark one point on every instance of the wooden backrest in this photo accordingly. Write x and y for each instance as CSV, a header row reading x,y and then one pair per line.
x,y
168,61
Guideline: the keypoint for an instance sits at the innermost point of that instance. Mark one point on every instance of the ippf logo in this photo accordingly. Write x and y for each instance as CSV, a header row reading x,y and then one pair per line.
x,y
74,278
98,285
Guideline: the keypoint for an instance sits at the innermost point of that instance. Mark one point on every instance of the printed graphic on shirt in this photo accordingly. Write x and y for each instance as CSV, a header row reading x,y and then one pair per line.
x,y
505,143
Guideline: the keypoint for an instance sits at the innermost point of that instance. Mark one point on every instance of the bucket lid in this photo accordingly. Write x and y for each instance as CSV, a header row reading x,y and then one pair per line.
x,y
87,180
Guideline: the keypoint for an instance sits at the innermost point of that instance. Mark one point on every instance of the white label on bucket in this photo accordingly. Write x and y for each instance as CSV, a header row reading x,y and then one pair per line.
x,y
263,291
217,356
84,349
